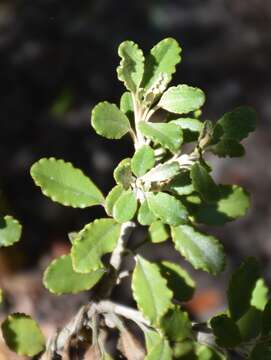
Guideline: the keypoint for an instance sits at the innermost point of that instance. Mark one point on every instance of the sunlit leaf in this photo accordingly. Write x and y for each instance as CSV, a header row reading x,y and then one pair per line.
x,y
10,230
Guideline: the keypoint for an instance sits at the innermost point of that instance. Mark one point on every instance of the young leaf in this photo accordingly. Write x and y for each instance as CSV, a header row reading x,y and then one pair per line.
x,y
98,238
233,203
143,160
237,124
131,67
10,231
170,210
176,324
23,335
202,251
163,59
161,351
162,172
125,207
150,290
178,281
168,135
182,99
60,277
109,121
123,173
126,104
63,183
241,286
145,216
226,331
158,232
112,197
203,183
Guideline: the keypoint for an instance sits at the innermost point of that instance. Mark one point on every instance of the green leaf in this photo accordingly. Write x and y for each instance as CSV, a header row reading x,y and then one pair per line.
x,y
143,160
261,352
250,324
266,323
23,335
228,147
176,324
237,124
63,183
207,353
152,338
60,277
162,172
241,287
168,135
98,238
178,281
126,105
123,173
158,232
226,331
182,99
161,351
191,128
131,67
163,59
184,350
10,231
233,203
181,184
259,295
202,251
150,290
145,216
112,197
125,207
109,121
170,210
203,183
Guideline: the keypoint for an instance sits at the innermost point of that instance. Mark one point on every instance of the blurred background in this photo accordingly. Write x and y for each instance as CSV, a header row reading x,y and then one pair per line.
x,y
58,59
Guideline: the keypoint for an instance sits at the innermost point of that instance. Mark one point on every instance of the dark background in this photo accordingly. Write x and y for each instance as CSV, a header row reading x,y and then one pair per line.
x,y
58,59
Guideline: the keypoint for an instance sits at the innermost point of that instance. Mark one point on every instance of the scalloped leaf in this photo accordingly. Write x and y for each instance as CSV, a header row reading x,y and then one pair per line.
x,y
98,238
10,230
131,68
125,207
162,172
65,184
123,173
162,59
60,277
143,160
182,99
178,280
168,135
150,290
202,251
109,121
23,335
241,287
112,197
226,331
176,324
145,216
126,105
228,147
204,184
158,232
170,210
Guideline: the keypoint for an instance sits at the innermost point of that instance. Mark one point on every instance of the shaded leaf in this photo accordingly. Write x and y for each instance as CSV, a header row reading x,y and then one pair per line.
x,y
226,331
202,251
266,323
109,121
150,290
63,183
261,352
182,99
98,238
250,324
131,67
125,207
23,335
60,277
170,210
166,134
10,230
176,324
178,280
143,160
228,147
181,184
207,353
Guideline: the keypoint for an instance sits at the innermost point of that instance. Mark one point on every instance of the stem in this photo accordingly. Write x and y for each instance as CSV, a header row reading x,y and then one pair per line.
x,y
140,138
